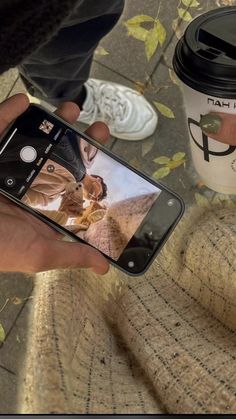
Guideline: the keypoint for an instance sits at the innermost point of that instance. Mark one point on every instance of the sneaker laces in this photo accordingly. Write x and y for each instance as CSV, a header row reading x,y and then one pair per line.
x,y
109,104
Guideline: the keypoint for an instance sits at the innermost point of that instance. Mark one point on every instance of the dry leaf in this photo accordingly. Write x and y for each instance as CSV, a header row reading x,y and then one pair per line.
x,y
140,87
135,162
161,173
161,32
174,164
173,77
190,3
225,200
100,51
135,29
184,14
151,43
137,32
201,200
136,20
2,333
162,160
164,110
147,146
17,300
178,156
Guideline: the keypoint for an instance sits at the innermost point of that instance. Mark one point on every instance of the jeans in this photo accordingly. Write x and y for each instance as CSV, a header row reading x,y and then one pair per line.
x,y
58,70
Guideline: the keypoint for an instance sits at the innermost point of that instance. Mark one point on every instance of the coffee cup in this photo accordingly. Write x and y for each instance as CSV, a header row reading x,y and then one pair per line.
x,y
205,62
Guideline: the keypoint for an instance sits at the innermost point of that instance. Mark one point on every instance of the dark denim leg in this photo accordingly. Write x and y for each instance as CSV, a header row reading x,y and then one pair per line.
x,y
58,70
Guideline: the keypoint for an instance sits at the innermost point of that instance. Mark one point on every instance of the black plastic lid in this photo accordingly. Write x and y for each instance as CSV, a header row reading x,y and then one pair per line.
x,y
205,57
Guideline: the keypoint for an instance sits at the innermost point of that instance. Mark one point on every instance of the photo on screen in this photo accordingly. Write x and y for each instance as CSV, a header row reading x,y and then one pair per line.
x,y
91,195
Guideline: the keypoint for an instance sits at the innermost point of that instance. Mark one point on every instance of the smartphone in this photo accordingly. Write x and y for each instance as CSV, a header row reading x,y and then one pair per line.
x,y
84,191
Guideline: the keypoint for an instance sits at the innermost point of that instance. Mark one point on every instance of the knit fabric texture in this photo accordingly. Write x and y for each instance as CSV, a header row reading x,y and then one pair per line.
x,y
26,25
164,342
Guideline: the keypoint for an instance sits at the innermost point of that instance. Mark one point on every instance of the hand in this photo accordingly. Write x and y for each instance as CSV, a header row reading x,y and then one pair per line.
x,y
26,243
220,126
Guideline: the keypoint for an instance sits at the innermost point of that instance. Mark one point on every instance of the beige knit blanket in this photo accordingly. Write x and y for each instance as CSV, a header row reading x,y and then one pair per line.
x,y
163,342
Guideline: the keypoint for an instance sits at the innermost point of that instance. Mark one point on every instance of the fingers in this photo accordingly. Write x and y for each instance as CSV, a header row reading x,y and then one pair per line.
x,y
54,254
220,126
68,111
99,132
11,108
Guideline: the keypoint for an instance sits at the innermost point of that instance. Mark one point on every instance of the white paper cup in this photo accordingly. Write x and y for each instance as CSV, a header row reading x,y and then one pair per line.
x,y
205,62
215,162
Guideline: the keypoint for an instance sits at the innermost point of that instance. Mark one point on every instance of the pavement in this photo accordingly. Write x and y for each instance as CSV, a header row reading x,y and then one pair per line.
x,y
121,58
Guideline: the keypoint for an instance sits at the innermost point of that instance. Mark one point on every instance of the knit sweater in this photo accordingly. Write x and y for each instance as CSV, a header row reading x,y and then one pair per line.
x,y
27,24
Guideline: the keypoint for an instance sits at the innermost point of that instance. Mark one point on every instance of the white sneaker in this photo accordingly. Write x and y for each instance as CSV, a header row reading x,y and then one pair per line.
x,y
127,113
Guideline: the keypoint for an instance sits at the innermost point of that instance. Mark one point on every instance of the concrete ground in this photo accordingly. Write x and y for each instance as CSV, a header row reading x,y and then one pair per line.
x,y
120,58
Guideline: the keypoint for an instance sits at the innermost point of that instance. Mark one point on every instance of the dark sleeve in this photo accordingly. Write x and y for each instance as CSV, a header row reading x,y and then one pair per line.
x,y
27,24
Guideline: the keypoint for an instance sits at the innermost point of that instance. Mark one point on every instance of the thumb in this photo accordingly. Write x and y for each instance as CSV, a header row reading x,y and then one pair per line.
x,y
220,126
57,254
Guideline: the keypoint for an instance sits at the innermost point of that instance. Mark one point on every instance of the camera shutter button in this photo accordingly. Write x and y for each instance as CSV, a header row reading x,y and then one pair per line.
x,y
28,154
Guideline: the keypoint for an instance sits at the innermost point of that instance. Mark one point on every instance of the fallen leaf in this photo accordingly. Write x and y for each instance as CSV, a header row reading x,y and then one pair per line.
x,y
175,24
161,31
178,156
137,32
135,29
201,200
136,20
162,160
174,164
173,77
220,199
164,110
17,300
151,43
2,333
147,146
135,162
184,14
161,173
190,3
100,51
140,87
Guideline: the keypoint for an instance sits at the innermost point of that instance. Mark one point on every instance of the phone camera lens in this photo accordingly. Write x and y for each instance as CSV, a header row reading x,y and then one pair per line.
x,y
171,202
10,182
131,264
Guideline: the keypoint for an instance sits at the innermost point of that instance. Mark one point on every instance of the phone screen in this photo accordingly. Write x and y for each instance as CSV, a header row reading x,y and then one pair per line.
x,y
54,170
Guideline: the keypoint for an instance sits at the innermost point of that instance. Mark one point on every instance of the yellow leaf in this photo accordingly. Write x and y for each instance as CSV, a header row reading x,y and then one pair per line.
x,y
136,20
223,200
135,163
162,160
16,300
190,3
151,43
175,24
173,77
201,200
147,146
178,156
140,87
161,173
137,32
2,333
184,14
164,110
161,32
100,51
173,164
